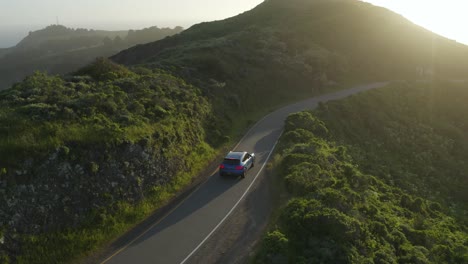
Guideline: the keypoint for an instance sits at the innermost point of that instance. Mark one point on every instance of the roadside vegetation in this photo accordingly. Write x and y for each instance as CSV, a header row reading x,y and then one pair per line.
x,y
376,178
66,143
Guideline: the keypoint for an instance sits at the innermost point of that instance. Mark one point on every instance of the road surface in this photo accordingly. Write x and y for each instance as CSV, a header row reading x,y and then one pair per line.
x,y
202,219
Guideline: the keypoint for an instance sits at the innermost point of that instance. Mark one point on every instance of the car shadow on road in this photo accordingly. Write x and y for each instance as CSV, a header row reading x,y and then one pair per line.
x,y
263,146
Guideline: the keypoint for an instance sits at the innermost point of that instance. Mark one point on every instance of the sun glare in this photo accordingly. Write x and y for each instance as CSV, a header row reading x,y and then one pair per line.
x,y
446,18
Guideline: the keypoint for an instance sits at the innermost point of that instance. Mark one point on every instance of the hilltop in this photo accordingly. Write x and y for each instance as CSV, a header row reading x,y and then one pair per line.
x,y
57,49
329,39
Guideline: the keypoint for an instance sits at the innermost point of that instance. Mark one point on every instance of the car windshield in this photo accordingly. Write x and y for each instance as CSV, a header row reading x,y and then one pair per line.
x,y
231,161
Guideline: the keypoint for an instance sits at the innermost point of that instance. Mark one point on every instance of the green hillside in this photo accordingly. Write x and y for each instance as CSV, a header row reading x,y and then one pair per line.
x,y
290,48
377,178
4,51
83,159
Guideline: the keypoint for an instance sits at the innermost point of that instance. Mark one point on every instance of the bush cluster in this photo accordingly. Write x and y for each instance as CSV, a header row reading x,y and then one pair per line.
x,y
110,106
344,205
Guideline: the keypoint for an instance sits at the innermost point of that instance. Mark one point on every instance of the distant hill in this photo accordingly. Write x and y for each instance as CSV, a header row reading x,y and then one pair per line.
x,y
4,51
58,49
57,37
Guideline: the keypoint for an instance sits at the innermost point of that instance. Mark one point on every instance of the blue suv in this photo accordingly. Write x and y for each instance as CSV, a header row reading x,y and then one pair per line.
x,y
237,163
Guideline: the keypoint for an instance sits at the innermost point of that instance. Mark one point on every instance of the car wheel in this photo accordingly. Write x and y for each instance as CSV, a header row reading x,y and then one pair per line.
x,y
252,165
243,175
221,174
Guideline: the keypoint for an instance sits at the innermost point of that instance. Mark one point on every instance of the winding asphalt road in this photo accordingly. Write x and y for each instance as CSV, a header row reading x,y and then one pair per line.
x,y
177,237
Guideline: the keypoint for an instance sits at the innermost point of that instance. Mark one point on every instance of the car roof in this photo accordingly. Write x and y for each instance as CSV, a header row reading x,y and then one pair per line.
x,y
235,155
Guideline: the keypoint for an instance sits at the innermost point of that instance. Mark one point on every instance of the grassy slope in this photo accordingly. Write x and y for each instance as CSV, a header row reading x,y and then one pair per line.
x,y
423,123
377,177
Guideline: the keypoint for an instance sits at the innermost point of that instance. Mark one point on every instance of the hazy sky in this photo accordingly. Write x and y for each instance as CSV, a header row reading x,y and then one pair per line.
x,y
17,17
119,12
445,17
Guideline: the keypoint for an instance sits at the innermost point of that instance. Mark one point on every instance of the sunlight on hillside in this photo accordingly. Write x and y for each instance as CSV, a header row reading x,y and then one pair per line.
x,y
446,18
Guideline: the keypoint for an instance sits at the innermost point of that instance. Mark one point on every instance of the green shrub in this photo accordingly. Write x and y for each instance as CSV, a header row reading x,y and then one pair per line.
x,y
105,70
380,186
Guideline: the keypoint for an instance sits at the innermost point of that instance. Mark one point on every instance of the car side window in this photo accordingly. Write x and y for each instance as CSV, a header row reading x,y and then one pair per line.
x,y
246,157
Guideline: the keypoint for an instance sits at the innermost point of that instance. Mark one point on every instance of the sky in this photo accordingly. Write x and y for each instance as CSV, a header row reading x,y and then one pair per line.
x,y
445,17
18,17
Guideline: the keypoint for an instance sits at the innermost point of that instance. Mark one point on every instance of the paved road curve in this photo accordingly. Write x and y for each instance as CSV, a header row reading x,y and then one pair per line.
x,y
177,237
